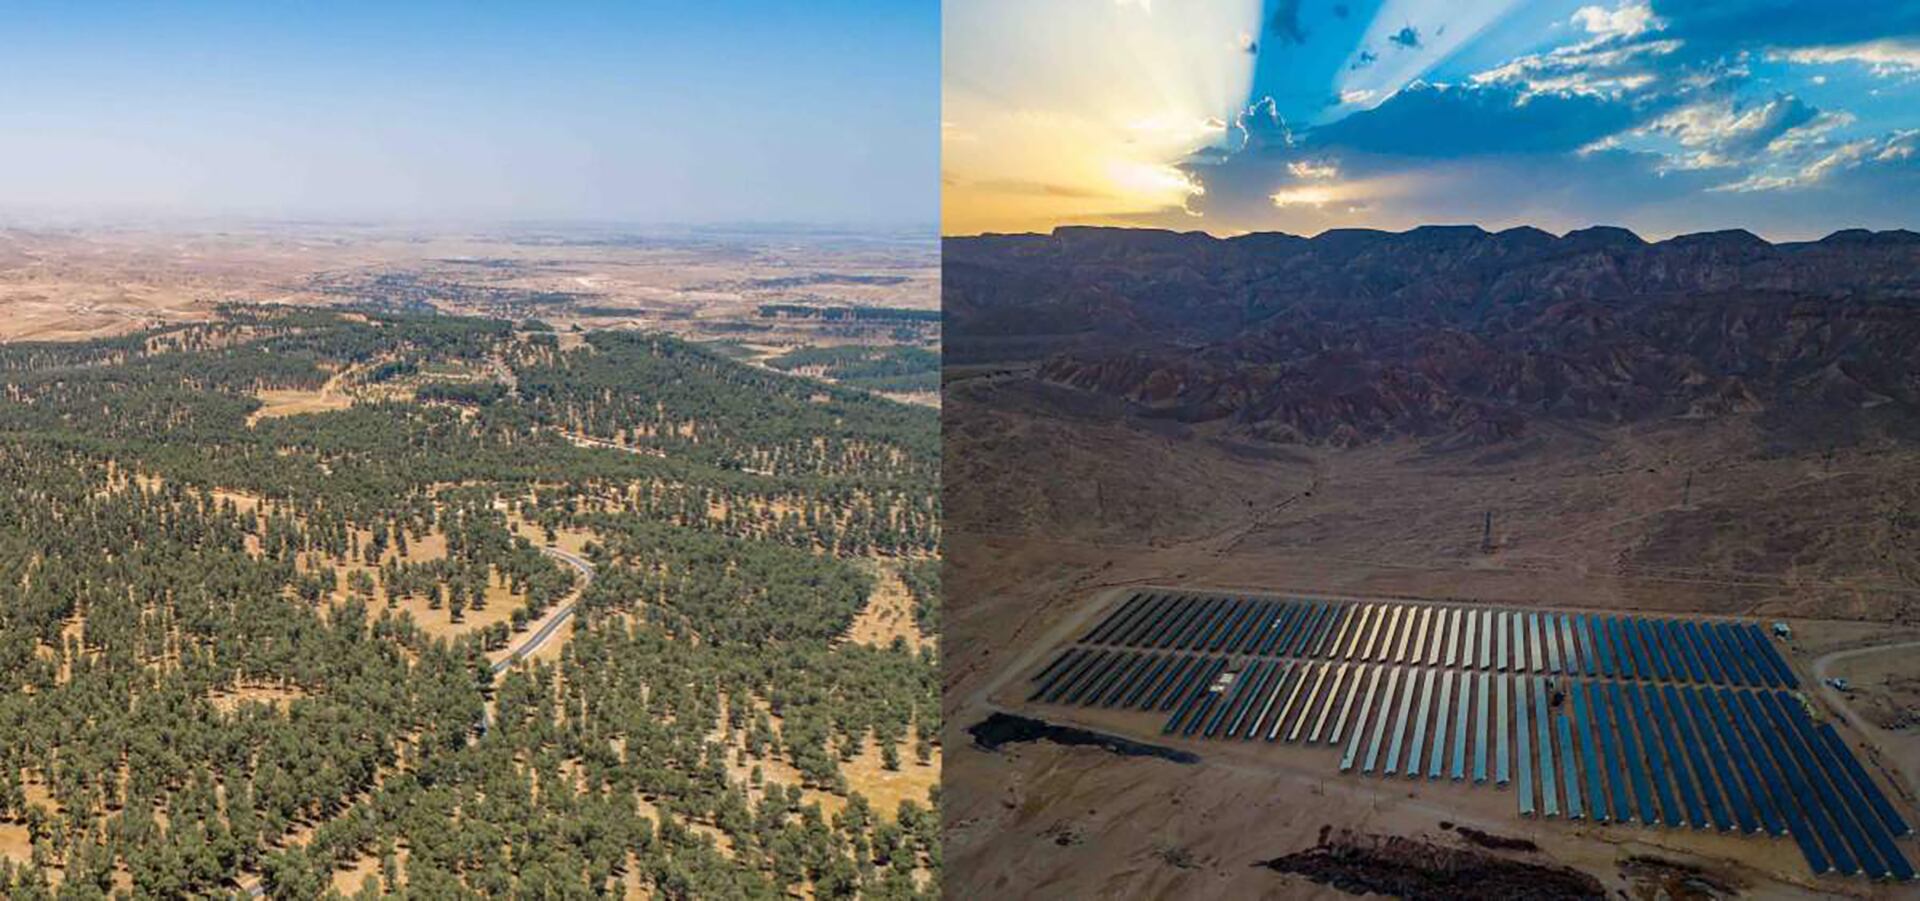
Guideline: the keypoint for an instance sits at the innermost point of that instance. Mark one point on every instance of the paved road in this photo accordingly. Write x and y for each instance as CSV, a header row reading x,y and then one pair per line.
x,y
560,615
533,643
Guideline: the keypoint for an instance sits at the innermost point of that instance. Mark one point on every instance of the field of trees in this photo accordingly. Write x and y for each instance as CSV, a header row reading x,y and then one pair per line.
x,y
873,367
249,652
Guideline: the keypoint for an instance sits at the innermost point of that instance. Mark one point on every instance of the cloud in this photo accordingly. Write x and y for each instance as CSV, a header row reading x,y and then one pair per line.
x,y
1823,163
1306,169
1625,20
1606,67
1285,23
1889,57
1722,131
1428,120
1407,38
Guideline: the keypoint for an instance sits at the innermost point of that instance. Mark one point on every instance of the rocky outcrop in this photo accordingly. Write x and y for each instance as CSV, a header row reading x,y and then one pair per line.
x,y
1359,335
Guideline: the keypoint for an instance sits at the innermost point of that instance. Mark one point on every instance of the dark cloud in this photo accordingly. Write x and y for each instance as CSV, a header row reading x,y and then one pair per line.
x,y
1407,38
1739,24
1770,120
1285,22
1425,120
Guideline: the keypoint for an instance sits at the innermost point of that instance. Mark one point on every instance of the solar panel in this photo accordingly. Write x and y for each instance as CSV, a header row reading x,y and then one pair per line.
x,y
1838,848
1480,737
1418,740
1453,636
1306,705
1570,775
1145,681
1536,653
1520,731
1361,630
1438,755
1228,699
1326,709
1550,632
1114,619
1549,797
1346,706
1676,763
1501,769
1349,614
1406,632
1864,783
1400,724
1460,718
1271,696
1156,700
1359,725
1262,671
1380,722
1500,640
1631,753
1590,758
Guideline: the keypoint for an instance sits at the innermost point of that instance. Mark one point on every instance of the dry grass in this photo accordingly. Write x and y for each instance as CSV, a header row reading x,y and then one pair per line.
x,y
279,696
888,614
294,402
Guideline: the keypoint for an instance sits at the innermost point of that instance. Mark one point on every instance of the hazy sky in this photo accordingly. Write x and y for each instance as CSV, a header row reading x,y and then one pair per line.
x,y
1790,118
721,110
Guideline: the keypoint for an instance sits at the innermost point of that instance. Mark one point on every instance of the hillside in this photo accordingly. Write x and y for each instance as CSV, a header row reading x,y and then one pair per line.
x,y
1454,333
427,605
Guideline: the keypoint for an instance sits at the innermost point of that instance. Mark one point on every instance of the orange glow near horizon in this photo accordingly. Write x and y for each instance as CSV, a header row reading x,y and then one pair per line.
x,y
1079,111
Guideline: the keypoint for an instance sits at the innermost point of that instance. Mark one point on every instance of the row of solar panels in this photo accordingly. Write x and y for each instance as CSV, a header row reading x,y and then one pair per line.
x,y
1626,647
1709,758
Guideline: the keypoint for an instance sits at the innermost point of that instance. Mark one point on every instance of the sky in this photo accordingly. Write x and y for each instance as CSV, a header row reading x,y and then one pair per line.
x,y
643,111
1788,118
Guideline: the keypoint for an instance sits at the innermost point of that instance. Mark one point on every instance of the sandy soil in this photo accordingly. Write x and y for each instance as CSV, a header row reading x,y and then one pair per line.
x,y
276,695
888,614
72,282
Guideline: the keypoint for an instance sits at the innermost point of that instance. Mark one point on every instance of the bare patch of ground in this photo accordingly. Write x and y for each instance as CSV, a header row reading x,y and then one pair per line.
x,y
293,402
888,614
277,696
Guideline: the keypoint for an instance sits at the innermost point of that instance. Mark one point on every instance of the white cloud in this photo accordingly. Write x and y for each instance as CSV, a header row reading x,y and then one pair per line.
x,y
1310,169
1626,20
1888,57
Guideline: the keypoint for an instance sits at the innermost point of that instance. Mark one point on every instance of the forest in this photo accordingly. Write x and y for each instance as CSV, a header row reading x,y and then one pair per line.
x,y
873,367
262,581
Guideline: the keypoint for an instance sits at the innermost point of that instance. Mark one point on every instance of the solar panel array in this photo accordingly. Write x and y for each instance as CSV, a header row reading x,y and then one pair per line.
x,y
1666,722
1715,652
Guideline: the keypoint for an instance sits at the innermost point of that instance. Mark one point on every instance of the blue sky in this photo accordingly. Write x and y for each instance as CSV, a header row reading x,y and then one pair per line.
x,y
1786,117
823,112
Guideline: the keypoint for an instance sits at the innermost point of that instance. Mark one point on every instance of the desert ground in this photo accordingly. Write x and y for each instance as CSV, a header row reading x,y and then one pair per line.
x,y
69,282
1708,516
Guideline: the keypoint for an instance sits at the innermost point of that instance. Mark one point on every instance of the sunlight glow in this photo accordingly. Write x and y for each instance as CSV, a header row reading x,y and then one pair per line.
x,y
1080,110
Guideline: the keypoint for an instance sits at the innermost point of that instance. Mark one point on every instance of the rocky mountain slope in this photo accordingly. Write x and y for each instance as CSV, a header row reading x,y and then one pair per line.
x,y
1458,335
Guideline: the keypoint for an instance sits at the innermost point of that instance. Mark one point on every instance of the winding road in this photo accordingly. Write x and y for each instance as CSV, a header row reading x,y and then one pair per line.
x,y
1838,700
533,643
560,614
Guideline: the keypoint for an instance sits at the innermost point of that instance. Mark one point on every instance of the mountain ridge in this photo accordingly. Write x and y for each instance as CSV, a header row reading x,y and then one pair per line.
x,y
1453,332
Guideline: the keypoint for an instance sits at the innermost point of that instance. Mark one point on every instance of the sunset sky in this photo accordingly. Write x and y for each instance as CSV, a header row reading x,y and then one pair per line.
x,y
1787,118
